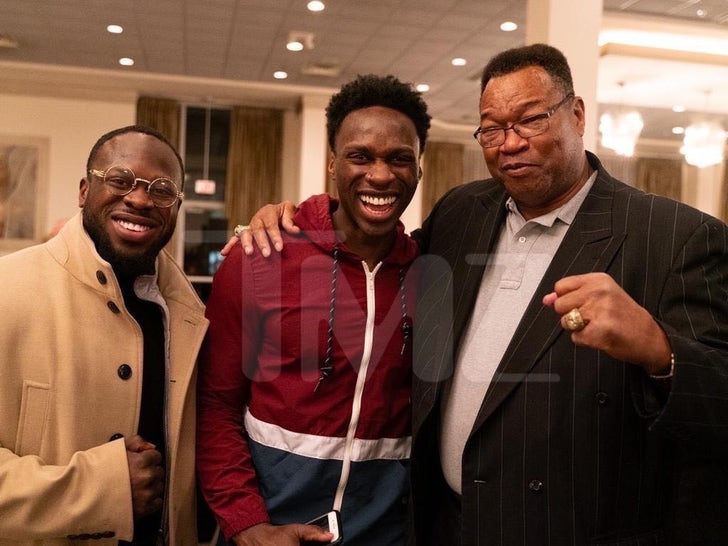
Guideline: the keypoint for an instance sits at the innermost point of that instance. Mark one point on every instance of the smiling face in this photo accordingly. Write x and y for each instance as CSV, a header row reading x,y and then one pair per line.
x,y
129,231
375,164
543,172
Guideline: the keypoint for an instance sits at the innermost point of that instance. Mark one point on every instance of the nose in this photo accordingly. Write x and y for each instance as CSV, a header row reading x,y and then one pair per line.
x,y
513,141
139,197
379,173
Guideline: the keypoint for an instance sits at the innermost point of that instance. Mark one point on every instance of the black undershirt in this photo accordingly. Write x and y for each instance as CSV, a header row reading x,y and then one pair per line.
x,y
151,419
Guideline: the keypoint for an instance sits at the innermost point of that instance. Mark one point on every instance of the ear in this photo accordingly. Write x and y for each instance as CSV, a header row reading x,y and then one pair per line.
x,y
580,113
330,167
419,172
82,192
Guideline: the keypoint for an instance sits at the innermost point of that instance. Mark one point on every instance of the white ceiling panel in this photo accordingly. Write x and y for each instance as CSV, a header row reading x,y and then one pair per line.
x,y
244,41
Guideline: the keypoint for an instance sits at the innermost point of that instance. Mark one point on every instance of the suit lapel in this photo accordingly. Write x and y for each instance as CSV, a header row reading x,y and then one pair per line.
x,y
450,285
588,246
489,213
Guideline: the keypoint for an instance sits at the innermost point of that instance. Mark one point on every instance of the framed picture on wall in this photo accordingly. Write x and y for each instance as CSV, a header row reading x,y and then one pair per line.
x,y
23,190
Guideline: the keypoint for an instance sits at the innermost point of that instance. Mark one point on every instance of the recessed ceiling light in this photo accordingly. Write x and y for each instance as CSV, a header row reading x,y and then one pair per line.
x,y
678,108
126,61
315,5
422,87
701,13
280,75
298,40
115,29
678,130
459,61
508,26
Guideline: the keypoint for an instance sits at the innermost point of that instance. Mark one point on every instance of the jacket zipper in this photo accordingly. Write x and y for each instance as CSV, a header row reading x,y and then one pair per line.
x,y
359,388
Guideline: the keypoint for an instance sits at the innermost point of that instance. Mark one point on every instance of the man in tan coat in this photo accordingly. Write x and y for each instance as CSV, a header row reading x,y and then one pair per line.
x,y
99,330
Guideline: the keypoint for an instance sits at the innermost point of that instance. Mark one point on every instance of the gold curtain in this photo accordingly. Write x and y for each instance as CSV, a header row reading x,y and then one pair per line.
x,y
442,170
660,176
160,114
254,161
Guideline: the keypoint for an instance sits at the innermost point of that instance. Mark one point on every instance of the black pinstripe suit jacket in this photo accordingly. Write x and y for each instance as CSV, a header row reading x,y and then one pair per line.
x,y
570,445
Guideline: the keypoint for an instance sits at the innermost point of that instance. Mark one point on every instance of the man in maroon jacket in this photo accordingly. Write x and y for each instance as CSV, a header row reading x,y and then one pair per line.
x,y
309,352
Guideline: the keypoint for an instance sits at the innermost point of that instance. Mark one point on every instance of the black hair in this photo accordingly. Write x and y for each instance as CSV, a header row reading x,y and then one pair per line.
x,y
134,129
547,57
371,90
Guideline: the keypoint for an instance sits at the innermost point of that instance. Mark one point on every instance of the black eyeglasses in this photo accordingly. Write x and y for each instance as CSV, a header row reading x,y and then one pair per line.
x,y
122,181
526,128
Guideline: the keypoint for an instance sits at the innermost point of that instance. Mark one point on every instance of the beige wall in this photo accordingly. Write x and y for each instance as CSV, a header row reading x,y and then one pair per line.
x,y
71,127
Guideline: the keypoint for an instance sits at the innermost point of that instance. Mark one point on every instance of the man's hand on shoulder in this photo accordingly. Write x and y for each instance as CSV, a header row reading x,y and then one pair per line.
x,y
264,228
266,534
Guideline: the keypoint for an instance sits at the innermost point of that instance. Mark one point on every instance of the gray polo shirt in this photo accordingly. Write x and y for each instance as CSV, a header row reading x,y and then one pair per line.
x,y
520,258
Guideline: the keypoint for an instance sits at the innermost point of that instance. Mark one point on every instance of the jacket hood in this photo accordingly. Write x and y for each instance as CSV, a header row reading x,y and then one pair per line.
x,y
314,217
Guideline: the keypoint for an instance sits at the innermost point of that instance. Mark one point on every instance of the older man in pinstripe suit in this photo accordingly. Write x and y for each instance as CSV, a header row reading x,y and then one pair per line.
x,y
571,371
571,341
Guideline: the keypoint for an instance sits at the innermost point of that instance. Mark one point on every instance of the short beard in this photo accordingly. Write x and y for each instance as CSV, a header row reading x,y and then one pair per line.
x,y
126,266
123,266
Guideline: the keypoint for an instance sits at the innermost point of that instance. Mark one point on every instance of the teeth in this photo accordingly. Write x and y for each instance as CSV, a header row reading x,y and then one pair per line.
x,y
133,227
377,201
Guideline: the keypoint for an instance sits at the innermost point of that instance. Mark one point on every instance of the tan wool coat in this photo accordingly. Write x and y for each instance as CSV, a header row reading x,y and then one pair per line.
x,y
64,333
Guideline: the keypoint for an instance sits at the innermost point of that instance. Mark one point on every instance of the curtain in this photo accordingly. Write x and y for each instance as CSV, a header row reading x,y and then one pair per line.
x,y
474,167
160,114
620,167
660,176
254,161
442,170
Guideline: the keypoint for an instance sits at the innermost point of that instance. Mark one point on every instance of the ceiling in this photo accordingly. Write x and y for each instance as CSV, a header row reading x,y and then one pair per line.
x,y
243,43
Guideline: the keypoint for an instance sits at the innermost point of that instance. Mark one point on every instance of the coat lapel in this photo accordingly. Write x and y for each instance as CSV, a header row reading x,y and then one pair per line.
x,y
489,213
589,246
449,287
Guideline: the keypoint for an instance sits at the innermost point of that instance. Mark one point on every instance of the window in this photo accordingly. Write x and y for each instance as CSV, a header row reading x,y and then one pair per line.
x,y
207,133
202,220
